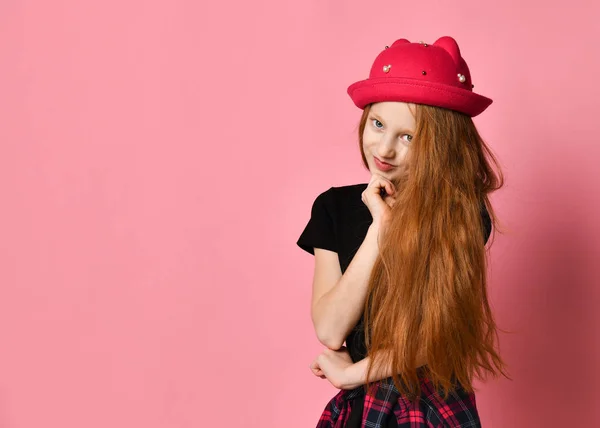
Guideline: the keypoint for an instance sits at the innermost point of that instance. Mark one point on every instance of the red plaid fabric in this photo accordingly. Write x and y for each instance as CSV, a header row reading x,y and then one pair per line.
x,y
353,409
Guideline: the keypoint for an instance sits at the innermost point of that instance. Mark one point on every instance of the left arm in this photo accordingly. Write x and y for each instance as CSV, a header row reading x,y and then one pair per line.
x,y
338,368
357,372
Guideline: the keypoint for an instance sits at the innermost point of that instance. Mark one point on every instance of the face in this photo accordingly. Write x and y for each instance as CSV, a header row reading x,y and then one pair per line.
x,y
387,137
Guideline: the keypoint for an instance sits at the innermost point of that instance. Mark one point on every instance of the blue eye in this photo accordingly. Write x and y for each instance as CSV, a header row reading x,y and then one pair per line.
x,y
408,138
376,123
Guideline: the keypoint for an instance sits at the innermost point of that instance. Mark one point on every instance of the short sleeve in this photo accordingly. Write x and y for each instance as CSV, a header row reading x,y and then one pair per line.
x,y
320,230
487,223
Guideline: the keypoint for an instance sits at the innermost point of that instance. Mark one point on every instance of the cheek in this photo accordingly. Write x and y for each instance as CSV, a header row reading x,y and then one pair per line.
x,y
368,139
367,149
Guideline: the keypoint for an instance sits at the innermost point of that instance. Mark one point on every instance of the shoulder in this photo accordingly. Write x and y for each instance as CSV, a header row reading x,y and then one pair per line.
x,y
349,193
342,193
351,188
338,199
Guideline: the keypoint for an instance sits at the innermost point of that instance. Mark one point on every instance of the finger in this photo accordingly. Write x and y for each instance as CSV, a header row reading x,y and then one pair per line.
x,y
378,182
389,188
316,369
377,187
320,374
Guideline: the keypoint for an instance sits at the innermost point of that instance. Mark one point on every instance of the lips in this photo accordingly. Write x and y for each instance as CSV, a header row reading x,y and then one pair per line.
x,y
383,166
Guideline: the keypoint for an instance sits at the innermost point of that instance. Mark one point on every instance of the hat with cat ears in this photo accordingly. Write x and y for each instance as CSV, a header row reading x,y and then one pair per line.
x,y
421,73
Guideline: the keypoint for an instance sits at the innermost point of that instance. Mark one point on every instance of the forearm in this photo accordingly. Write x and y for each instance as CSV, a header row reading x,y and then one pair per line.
x,y
339,310
357,373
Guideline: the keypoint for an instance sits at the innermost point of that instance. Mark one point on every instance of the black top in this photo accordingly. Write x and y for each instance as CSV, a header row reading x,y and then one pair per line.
x,y
339,222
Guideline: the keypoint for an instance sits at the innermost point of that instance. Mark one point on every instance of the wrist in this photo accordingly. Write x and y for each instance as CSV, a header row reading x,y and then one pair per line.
x,y
374,230
355,376
374,233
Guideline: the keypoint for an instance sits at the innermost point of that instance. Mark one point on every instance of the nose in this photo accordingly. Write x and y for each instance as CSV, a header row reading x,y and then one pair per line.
x,y
386,148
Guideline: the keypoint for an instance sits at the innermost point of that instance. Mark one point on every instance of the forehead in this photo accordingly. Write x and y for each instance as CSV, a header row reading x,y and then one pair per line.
x,y
395,112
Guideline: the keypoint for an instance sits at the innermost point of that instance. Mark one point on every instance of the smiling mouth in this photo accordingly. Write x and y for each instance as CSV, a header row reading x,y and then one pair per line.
x,y
382,162
382,166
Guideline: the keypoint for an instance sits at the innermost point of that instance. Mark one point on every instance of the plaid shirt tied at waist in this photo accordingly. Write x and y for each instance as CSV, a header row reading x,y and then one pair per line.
x,y
353,409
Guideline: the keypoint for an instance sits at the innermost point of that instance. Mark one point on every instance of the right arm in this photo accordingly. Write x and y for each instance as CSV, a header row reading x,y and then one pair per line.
x,y
338,300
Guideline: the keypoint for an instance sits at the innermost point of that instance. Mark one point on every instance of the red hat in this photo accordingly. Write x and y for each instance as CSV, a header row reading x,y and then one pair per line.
x,y
420,73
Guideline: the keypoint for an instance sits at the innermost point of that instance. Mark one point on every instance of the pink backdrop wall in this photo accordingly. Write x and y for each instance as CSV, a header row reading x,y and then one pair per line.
x,y
158,162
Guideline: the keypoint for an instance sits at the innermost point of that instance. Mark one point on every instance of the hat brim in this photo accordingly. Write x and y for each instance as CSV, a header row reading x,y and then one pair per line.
x,y
373,90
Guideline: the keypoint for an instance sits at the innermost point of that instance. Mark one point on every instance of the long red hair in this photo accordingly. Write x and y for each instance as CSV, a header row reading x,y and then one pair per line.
x,y
427,294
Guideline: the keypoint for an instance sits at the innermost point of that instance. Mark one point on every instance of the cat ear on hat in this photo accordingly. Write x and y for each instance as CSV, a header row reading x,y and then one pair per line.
x,y
449,45
399,42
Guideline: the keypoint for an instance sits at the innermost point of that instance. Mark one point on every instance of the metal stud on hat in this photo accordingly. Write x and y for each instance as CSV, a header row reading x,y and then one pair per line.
x,y
386,68
462,78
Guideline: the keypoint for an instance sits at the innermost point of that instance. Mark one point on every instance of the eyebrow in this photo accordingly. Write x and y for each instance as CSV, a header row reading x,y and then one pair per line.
x,y
402,129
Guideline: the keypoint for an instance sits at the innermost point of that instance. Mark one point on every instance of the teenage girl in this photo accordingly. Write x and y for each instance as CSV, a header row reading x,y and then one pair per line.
x,y
400,261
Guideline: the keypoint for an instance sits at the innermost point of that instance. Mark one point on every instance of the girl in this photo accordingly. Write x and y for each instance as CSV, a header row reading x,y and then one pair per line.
x,y
400,261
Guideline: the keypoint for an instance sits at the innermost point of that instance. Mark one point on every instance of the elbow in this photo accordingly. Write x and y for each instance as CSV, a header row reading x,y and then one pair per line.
x,y
329,340
325,332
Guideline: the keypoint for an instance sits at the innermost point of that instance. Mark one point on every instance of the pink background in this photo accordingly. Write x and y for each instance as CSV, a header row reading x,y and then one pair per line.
x,y
159,160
